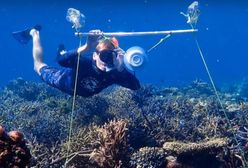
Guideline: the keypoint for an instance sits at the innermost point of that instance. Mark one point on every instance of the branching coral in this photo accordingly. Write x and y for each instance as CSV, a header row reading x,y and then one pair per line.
x,y
122,105
149,157
105,146
36,118
77,151
92,110
111,145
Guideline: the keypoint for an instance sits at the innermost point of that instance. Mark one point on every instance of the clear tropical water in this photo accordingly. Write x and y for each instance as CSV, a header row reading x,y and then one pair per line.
x,y
155,115
222,36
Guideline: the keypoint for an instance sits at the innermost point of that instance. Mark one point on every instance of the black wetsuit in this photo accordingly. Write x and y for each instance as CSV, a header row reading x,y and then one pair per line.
x,y
91,80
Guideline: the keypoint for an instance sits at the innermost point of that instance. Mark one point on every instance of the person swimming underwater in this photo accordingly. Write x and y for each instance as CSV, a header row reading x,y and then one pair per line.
x,y
104,68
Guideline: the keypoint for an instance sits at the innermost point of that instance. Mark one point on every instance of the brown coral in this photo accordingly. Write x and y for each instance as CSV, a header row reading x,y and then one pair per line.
x,y
1,131
179,148
196,154
111,144
16,136
13,150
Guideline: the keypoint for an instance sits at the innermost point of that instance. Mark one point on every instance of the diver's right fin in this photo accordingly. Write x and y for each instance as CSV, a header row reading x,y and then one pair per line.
x,y
23,36
60,51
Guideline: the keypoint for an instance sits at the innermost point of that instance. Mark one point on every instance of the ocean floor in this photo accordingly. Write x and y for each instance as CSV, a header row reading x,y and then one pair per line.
x,y
154,127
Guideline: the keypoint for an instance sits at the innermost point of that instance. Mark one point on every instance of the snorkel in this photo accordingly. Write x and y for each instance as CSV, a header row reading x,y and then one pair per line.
x,y
134,57
108,57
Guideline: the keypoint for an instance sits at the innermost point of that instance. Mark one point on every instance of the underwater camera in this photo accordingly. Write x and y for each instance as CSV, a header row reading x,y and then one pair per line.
x,y
135,57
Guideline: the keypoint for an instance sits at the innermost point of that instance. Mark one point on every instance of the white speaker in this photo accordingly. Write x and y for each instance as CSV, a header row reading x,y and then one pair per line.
x,y
135,58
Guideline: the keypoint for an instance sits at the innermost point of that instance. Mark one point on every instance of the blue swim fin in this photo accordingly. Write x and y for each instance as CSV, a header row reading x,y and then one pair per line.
x,y
23,36
60,48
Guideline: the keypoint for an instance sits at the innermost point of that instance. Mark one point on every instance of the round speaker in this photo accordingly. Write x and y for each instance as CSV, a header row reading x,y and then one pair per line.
x,y
134,58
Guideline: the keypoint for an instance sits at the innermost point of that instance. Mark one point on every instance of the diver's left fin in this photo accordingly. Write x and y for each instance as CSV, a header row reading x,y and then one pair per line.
x,y
23,36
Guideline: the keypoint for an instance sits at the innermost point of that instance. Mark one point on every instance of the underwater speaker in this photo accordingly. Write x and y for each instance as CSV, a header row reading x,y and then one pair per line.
x,y
134,58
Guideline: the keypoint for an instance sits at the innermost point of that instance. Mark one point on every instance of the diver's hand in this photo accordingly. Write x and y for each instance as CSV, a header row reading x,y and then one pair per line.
x,y
120,59
92,39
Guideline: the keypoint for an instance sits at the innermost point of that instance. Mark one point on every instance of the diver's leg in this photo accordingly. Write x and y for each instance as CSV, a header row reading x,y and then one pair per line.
x,y
37,51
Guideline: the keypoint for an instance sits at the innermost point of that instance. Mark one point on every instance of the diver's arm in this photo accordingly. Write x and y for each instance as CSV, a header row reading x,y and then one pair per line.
x,y
69,58
91,42
120,58
128,80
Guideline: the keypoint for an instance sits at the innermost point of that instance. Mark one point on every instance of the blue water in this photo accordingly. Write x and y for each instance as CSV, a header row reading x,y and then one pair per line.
x,y
222,35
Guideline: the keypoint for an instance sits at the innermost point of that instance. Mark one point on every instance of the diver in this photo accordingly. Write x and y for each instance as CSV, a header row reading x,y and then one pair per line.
x,y
103,68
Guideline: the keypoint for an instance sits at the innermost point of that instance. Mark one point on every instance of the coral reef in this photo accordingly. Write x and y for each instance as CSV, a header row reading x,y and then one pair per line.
x,y
202,154
192,148
105,146
111,145
150,127
148,157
